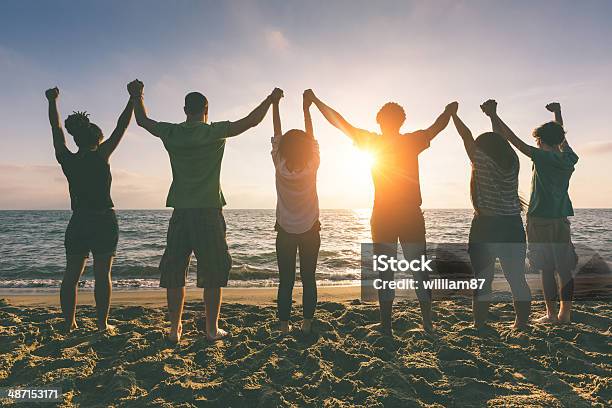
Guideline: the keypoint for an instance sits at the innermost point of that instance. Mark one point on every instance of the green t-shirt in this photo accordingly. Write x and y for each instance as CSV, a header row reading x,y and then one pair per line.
x,y
550,181
195,150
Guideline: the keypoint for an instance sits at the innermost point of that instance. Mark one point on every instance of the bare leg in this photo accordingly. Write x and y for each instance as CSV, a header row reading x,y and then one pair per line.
x,y
480,312
565,311
413,246
549,287
68,291
386,296
386,310
482,257
285,327
513,265
176,301
424,297
212,303
307,326
427,315
103,289
567,295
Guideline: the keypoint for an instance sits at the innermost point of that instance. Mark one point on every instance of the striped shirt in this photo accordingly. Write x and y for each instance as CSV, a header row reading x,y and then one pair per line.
x,y
496,189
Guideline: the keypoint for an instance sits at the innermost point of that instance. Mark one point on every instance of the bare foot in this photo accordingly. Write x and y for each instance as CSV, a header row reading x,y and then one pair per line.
x,y
546,319
564,319
427,317
175,335
307,326
285,328
384,329
108,328
520,326
71,327
217,336
428,327
482,327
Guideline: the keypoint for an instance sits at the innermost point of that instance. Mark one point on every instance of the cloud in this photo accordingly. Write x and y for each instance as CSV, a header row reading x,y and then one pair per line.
x,y
36,186
276,40
596,148
44,186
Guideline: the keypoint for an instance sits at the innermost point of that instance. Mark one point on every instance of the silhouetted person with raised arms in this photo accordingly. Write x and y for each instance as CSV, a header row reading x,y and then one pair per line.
x,y
550,247
197,225
296,161
497,230
396,214
93,225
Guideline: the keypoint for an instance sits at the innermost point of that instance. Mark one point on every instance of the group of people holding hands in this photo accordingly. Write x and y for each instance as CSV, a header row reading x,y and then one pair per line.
x,y
197,225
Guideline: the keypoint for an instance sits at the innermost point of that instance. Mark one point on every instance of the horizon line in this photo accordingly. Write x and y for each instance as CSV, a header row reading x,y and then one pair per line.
x,y
269,208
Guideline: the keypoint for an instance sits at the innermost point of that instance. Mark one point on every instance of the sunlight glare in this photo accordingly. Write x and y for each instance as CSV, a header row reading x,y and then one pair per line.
x,y
363,159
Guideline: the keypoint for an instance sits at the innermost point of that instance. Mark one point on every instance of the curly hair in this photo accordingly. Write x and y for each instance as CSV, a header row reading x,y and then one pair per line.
x,y
391,112
85,133
551,133
77,122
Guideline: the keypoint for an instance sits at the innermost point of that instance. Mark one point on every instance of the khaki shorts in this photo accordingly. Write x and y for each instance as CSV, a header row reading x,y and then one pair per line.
x,y
200,231
550,244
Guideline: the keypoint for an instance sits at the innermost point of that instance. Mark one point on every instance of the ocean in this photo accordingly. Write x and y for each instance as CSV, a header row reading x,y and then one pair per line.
x,y
32,252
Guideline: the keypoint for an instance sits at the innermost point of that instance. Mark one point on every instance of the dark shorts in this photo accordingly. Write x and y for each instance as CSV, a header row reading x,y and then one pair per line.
x,y
200,231
503,238
92,231
407,227
494,237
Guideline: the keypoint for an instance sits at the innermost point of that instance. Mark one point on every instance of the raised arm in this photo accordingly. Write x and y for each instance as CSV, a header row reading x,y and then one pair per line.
x,y
59,140
490,109
306,102
256,116
555,107
335,118
465,133
441,122
135,89
108,147
276,120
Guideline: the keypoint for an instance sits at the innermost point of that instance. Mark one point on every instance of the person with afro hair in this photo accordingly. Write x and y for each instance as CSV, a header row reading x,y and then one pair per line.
x,y
396,214
93,225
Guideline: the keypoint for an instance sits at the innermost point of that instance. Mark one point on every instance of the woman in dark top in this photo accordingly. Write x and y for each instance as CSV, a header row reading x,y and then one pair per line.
x,y
497,230
93,225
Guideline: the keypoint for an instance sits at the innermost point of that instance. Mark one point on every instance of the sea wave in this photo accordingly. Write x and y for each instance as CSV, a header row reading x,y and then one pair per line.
x,y
32,252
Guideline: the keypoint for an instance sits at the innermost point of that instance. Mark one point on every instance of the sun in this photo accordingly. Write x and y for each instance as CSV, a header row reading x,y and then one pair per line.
x,y
363,159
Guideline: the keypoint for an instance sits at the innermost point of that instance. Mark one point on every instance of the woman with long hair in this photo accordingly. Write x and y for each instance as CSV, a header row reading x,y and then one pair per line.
x,y
497,230
296,160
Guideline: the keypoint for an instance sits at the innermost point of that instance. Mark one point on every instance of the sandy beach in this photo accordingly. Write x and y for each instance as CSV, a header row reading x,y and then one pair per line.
x,y
346,363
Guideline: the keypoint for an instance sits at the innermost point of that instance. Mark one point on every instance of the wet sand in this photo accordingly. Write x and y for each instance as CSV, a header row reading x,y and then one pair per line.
x,y
346,363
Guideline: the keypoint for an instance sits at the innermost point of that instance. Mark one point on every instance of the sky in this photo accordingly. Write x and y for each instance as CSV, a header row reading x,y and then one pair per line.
x,y
355,55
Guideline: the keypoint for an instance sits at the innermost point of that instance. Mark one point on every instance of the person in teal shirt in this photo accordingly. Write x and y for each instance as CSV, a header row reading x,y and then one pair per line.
x,y
548,229
197,225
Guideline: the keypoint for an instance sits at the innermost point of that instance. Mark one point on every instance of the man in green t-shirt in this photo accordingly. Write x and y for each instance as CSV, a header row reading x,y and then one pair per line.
x,y
548,229
197,225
